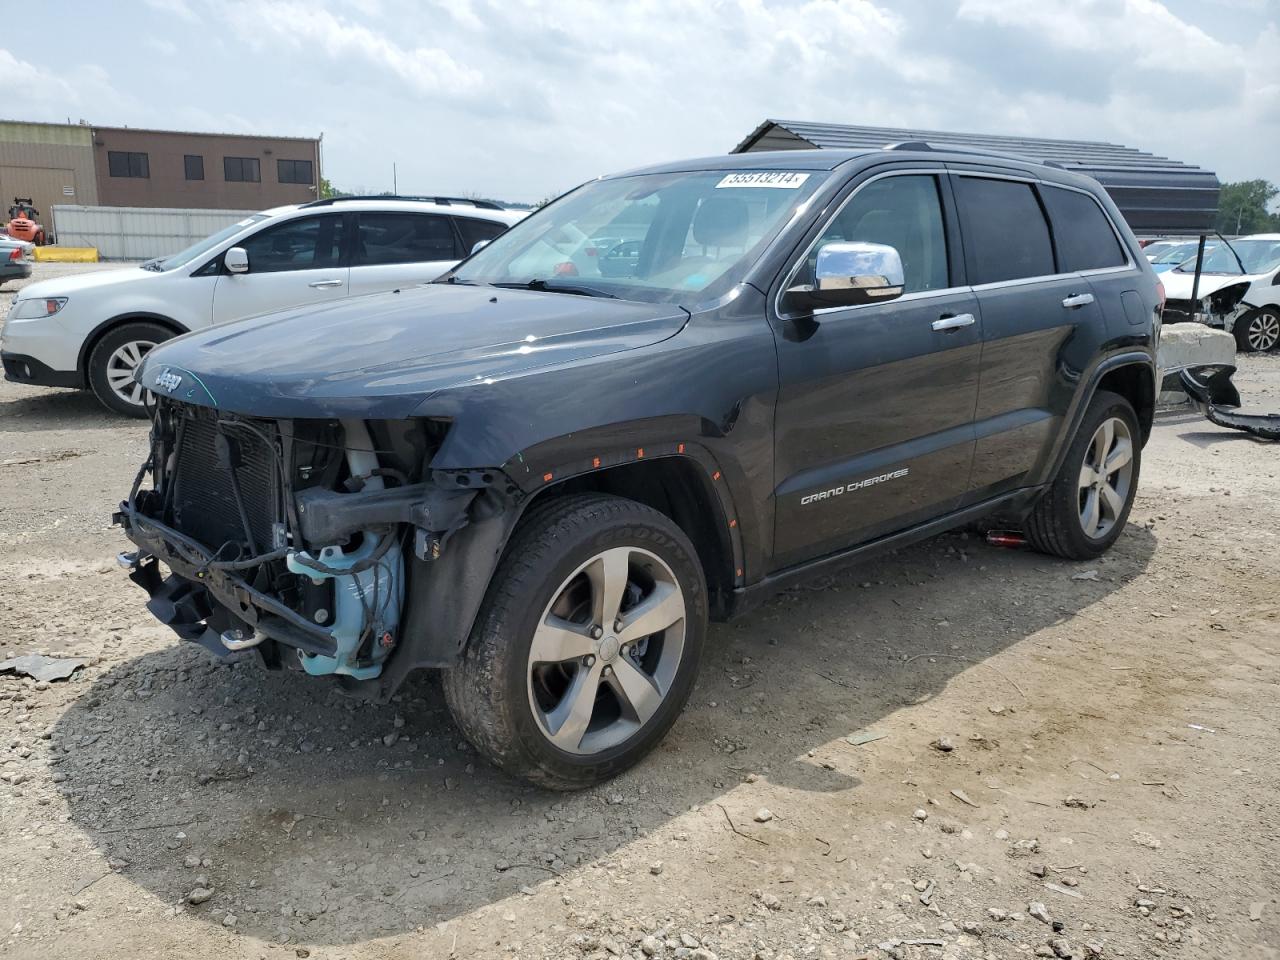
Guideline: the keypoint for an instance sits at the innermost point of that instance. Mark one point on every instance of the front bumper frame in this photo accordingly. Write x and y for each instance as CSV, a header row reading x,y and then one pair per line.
x,y
178,601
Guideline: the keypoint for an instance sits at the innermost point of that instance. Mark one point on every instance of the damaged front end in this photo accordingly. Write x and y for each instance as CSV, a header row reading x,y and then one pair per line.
x,y
1220,309
294,538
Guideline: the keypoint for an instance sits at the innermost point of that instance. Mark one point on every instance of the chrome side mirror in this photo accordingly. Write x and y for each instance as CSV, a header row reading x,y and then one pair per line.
x,y
848,274
236,260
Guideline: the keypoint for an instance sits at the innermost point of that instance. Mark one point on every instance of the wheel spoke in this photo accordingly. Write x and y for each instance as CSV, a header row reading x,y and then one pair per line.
x,y
608,576
568,722
1112,502
1087,476
132,356
1119,456
661,609
119,379
1089,517
1102,443
558,640
135,395
636,689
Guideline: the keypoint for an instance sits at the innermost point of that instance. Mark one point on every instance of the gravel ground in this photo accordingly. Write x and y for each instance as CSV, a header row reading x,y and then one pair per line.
x,y
1068,760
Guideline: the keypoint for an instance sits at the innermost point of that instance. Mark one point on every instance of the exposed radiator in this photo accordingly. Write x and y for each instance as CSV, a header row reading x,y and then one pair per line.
x,y
204,503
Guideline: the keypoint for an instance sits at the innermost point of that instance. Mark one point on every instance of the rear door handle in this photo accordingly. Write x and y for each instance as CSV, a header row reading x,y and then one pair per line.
x,y
1078,300
325,283
954,322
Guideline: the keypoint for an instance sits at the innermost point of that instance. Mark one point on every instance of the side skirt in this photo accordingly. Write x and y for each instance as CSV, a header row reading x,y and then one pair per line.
x,y
1015,503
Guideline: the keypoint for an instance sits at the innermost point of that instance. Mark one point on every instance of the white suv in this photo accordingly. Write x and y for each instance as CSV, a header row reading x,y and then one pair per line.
x,y
93,330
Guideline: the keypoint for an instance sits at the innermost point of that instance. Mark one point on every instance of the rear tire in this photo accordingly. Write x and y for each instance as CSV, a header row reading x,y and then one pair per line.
x,y
1258,331
1085,509
114,359
559,683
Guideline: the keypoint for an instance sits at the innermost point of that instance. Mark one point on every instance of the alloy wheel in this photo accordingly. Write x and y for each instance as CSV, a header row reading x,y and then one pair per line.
x,y
1106,477
1264,330
121,366
606,650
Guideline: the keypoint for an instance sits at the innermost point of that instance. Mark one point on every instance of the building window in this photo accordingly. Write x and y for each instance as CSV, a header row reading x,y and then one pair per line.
x,y
194,166
121,163
241,170
294,171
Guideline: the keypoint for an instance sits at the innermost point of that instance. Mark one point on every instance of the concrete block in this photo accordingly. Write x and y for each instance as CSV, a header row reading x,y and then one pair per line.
x,y
1190,345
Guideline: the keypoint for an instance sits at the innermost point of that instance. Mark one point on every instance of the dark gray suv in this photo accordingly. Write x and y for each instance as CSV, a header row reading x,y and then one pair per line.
x,y
653,402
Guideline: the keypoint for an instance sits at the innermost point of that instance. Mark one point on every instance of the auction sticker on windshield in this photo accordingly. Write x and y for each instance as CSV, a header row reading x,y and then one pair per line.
x,y
779,179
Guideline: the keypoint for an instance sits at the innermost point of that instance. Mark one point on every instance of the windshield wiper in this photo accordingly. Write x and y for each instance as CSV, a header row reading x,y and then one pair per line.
x,y
455,280
553,287
153,265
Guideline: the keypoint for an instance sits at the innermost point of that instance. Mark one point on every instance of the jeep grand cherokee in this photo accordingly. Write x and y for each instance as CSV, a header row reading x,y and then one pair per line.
x,y
544,473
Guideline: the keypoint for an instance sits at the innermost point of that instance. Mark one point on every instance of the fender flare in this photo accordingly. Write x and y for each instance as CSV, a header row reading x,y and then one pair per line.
x,y
106,326
447,593
1084,397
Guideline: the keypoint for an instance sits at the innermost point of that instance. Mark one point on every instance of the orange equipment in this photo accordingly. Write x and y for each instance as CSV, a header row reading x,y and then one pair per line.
x,y
23,224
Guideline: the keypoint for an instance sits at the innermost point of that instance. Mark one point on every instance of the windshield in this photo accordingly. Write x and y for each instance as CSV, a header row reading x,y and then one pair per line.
x,y
1176,253
1258,256
184,257
655,237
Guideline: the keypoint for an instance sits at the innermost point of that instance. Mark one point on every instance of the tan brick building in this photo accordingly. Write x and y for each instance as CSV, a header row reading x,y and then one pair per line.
x,y
130,167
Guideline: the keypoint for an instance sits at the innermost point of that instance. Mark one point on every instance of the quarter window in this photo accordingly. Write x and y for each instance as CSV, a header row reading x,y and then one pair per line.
x,y
404,238
294,171
122,163
307,244
902,212
1081,231
1006,236
193,166
241,170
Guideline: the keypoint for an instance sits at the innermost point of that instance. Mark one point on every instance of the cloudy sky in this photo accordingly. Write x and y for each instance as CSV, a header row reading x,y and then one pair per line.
x,y
521,99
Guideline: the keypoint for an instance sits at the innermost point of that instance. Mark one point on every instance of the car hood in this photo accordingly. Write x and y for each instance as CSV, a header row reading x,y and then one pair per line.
x,y
380,356
70,286
1177,286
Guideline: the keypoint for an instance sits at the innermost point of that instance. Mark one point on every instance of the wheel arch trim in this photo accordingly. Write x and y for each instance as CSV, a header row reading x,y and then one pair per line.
x,y
1085,395
119,320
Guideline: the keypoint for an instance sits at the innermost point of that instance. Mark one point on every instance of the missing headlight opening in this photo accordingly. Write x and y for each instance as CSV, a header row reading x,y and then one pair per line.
x,y
288,536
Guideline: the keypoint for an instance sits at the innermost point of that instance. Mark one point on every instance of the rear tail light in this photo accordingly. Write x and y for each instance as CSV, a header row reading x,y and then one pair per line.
x,y
15,253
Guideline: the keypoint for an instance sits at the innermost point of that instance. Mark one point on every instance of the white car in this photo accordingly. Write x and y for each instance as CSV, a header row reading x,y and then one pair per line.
x,y
1239,291
91,331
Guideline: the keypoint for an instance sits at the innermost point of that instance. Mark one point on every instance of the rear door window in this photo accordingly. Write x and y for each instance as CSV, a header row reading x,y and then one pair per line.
x,y
1081,231
384,238
1006,236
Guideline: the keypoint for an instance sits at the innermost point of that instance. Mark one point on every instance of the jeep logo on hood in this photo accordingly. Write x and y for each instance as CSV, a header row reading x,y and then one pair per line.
x,y
166,379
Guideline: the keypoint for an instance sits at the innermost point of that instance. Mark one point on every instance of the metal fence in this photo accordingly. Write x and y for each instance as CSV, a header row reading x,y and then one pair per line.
x,y
137,233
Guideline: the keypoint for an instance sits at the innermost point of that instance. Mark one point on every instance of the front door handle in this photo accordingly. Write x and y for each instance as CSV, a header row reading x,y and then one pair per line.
x,y
954,322
325,283
1078,300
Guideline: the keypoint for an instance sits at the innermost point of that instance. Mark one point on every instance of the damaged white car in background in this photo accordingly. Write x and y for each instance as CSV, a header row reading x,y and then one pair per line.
x,y
1239,291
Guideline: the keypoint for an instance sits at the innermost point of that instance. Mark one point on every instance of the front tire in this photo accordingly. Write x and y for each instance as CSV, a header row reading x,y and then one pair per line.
x,y
1258,331
587,645
114,360
1086,507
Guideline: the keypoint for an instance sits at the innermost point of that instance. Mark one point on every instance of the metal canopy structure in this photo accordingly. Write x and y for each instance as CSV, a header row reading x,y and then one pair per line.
x,y
1156,195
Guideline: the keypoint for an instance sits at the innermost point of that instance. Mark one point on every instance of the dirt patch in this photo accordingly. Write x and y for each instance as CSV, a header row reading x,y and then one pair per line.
x,y
1112,757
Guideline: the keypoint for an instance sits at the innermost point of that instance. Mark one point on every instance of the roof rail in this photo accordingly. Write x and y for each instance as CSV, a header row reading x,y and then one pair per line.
x,y
442,201
924,146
